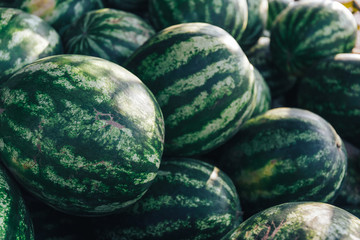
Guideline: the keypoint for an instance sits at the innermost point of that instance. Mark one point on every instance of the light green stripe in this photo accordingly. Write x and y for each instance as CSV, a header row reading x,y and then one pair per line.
x,y
230,65
227,116
201,102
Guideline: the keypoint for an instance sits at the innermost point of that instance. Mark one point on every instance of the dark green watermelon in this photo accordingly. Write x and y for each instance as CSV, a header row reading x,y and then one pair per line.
x,y
300,221
24,39
189,199
81,133
15,220
308,31
231,15
286,154
331,89
202,81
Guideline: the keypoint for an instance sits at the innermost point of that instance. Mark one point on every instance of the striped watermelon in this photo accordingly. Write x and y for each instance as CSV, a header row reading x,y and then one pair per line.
x,y
257,17
310,30
231,15
331,89
286,154
24,39
263,95
107,33
189,199
260,56
202,81
275,7
300,221
81,133
60,13
14,216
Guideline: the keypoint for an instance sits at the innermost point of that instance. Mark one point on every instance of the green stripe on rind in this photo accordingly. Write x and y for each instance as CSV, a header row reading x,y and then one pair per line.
x,y
275,7
263,95
308,31
199,74
60,14
298,220
189,199
231,15
257,16
331,89
14,217
273,157
25,38
107,33
96,131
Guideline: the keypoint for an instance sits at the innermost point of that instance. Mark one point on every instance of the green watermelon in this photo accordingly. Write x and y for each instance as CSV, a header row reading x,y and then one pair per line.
x,y
14,216
263,95
231,15
189,199
260,56
330,89
257,17
60,13
24,39
202,81
81,133
286,154
300,221
107,33
275,7
308,31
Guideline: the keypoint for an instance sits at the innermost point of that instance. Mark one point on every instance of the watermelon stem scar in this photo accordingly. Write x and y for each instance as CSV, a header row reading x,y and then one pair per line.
x,y
275,231
108,122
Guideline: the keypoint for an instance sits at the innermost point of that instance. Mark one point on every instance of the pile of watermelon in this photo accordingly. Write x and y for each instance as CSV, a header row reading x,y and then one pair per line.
x,y
187,119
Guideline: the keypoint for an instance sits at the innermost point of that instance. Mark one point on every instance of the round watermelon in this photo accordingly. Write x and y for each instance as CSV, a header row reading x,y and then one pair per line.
x,y
107,33
202,81
299,220
81,133
24,39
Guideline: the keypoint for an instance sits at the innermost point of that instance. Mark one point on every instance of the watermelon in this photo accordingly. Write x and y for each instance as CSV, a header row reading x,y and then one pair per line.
x,y
275,7
59,13
127,5
330,89
286,154
263,95
231,15
299,220
14,215
81,133
107,33
202,81
308,31
257,17
260,56
189,199
24,39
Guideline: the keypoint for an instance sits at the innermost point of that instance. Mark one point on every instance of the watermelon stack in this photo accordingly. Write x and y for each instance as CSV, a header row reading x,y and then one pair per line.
x,y
188,119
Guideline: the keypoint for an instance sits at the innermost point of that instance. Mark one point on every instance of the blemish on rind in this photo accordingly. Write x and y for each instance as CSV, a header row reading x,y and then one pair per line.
x,y
2,110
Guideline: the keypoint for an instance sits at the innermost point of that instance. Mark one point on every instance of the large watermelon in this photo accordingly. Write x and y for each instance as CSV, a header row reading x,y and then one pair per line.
x,y
286,154
203,82
189,199
15,221
309,30
81,133
331,89
24,39
300,221
107,33
231,15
